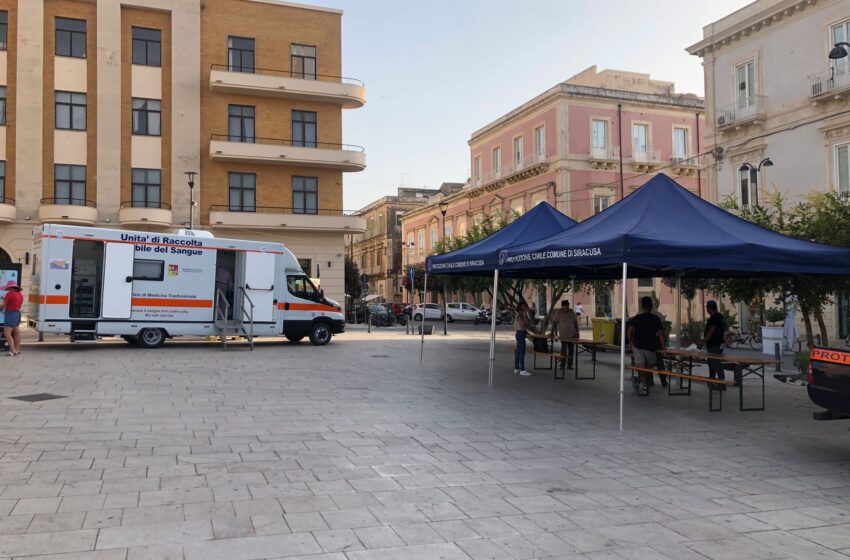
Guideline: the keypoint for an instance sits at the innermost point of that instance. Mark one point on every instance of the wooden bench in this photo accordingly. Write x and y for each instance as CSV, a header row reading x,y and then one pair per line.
x,y
711,382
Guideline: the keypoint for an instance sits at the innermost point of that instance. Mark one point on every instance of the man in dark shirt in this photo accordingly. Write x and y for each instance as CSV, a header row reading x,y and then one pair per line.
x,y
647,335
715,328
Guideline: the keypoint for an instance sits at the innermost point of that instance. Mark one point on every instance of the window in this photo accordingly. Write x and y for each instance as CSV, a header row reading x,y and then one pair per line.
x,y
304,128
477,169
449,230
540,142
840,32
305,195
242,192
2,181
241,125
301,287
745,80
240,54
421,241
147,46
381,224
147,115
600,202
518,205
434,237
398,217
380,257
517,152
748,194
372,227
146,188
70,37
70,110
680,143
410,243
2,105
497,161
599,134
842,169
69,184
303,61
148,270
640,141
461,226
4,30
645,282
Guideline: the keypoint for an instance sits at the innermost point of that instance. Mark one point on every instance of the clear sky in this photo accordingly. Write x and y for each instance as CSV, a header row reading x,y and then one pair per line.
x,y
437,70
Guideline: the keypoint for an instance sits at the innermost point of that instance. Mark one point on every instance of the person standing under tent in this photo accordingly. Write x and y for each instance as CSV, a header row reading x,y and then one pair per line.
x,y
11,306
647,335
715,328
565,325
522,325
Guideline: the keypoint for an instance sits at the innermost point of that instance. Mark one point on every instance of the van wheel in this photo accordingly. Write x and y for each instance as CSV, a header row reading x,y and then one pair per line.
x,y
320,334
130,339
150,338
418,318
293,338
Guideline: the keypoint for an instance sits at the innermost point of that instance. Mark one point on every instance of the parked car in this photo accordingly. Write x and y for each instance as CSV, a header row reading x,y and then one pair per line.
x,y
829,382
462,312
432,312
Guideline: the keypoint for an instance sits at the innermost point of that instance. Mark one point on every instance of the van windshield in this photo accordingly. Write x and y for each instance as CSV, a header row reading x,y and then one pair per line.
x,y
301,287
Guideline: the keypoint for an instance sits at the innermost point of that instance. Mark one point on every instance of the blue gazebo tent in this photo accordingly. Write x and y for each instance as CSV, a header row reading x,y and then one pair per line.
x,y
481,258
662,229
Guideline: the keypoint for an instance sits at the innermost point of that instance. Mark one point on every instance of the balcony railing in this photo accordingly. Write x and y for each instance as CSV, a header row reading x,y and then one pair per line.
x,y
687,160
69,201
645,156
145,204
836,79
145,213
286,142
511,168
742,111
282,210
293,74
605,153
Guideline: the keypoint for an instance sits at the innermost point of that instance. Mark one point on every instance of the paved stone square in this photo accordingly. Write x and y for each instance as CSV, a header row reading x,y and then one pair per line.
x,y
355,451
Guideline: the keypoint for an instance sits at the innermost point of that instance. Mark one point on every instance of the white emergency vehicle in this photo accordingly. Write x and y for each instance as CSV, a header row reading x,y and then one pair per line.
x,y
148,286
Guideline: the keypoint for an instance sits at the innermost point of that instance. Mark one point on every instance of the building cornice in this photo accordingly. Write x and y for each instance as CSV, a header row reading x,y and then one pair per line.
x,y
753,24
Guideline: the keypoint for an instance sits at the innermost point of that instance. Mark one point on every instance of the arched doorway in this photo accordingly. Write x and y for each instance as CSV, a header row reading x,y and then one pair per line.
x,y
4,256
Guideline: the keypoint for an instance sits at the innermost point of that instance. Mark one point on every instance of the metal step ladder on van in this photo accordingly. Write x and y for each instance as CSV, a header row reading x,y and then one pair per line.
x,y
228,326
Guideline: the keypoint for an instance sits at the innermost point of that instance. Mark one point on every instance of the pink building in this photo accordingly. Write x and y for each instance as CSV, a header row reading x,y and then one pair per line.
x,y
564,147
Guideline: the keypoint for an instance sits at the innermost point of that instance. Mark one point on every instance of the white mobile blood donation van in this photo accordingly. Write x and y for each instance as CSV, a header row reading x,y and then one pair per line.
x,y
147,286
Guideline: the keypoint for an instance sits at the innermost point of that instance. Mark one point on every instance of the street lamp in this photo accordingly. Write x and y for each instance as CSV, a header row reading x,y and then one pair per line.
x,y
839,50
766,162
406,246
191,180
444,207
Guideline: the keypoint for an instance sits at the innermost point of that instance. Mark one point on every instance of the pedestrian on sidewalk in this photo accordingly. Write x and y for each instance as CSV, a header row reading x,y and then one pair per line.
x,y
522,325
11,306
715,328
565,325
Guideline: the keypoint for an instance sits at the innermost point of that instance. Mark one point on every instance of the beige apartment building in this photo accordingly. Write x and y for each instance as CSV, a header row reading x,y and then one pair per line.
x,y
108,105
377,251
771,91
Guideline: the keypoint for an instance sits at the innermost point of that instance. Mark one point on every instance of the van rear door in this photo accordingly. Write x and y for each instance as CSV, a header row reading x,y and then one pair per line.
x,y
118,281
259,285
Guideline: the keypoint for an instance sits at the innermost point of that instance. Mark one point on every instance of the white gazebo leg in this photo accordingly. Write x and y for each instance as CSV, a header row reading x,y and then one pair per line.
x,y
623,344
494,310
424,311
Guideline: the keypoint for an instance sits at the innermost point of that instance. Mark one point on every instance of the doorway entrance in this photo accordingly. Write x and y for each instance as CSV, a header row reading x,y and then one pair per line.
x,y
225,275
86,279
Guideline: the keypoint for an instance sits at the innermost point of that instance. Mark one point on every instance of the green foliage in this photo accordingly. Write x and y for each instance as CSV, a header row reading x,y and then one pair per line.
x,y
352,279
693,330
774,315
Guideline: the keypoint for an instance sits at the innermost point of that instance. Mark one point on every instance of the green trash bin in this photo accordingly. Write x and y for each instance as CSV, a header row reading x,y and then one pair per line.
x,y
604,329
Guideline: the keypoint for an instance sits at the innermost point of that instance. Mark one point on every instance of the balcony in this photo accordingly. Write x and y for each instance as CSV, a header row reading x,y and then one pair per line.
x,y
646,160
7,209
276,151
273,217
67,211
830,84
606,157
743,113
349,93
528,166
158,215
686,165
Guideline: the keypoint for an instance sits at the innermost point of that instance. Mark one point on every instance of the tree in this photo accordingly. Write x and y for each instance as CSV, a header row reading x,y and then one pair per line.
x,y
353,288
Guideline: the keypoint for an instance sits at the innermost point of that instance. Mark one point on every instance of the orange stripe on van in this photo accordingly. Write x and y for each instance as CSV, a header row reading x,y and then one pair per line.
x,y
166,302
52,300
307,307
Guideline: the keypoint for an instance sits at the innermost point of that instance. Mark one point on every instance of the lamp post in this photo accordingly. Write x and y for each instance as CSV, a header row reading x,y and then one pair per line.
x,y
405,248
766,162
444,207
191,181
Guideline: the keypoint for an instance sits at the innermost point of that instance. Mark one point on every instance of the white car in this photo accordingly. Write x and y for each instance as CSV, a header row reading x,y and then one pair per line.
x,y
462,312
432,311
